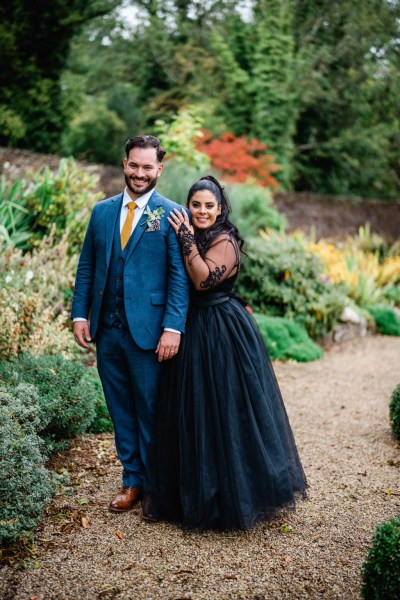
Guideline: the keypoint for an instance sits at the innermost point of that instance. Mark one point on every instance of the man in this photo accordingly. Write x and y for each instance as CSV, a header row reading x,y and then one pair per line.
x,y
132,280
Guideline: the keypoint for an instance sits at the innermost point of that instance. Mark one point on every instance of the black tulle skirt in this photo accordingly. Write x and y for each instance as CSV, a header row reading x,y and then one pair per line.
x,y
222,454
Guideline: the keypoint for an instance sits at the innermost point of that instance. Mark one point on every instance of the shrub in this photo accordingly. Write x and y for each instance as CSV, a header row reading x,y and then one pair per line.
x,y
66,399
25,484
394,412
381,569
60,201
387,321
176,180
286,339
253,209
35,294
239,159
279,278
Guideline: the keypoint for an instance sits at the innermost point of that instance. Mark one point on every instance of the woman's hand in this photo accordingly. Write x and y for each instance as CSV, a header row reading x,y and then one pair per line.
x,y
178,218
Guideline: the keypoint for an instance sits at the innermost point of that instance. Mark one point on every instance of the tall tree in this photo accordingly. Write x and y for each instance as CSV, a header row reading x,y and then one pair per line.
x,y
35,37
273,77
348,128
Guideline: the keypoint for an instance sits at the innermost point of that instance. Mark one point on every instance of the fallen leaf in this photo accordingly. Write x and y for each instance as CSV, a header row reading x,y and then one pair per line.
x,y
120,535
85,522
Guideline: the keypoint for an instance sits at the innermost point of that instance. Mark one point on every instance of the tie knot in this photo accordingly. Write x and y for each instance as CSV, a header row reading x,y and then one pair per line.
x,y
131,205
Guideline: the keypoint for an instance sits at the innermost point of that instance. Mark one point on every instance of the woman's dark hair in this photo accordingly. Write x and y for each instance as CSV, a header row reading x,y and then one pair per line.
x,y
222,224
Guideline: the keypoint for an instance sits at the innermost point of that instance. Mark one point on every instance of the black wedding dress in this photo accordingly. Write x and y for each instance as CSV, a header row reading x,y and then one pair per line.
x,y
222,454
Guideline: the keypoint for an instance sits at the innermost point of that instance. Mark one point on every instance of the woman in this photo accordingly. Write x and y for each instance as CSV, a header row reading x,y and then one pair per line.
x,y
223,454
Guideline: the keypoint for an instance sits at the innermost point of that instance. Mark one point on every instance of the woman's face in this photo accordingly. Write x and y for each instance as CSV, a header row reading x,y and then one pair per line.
x,y
204,209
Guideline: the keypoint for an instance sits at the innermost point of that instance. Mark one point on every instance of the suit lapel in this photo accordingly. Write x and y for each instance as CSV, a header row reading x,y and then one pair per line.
x,y
110,223
155,200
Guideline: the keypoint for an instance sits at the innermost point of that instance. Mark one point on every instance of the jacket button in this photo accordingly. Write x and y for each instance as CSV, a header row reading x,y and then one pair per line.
x,y
101,292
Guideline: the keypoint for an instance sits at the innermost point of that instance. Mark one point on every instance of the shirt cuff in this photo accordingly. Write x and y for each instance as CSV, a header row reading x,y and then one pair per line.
x,y
79,319
173,330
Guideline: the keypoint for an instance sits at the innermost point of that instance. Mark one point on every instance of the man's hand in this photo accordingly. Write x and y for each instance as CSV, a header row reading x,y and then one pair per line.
x,y
168,345
81,333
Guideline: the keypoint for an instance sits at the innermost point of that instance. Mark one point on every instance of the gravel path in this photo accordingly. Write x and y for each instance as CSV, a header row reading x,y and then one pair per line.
x,y
338,408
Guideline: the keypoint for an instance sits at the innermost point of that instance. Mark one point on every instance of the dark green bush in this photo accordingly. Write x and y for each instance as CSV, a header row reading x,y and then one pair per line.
x,y
381,569
387,321
25,484
66,400
286,339
394,412
279,278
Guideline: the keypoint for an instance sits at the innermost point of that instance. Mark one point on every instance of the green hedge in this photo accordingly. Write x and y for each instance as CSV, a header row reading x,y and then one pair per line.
x,y
70,396
286,339
387,321
25,484
381,569
394,412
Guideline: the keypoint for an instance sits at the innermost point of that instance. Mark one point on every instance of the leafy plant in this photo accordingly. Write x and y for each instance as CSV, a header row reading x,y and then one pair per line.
x,y
286,339
279,278
394,412
66,398
387,321
60,201
381,568
25,484
14,217
238,159
179,138
35,293
253,209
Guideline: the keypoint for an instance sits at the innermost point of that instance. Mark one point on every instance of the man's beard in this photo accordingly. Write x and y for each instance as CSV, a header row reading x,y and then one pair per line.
x,y
152,184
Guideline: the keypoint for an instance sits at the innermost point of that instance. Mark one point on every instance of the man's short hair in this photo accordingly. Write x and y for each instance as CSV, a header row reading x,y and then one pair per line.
x,y
145,141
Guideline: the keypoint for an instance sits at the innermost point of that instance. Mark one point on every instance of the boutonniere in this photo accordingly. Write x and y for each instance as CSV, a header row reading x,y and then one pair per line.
x,y
153,218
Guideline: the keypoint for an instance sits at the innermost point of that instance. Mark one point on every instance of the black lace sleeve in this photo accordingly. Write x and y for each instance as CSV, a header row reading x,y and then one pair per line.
x,y
213,278
186,239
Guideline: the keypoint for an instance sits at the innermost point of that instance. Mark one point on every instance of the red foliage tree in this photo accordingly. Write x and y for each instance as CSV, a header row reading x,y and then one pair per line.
x,y
239,159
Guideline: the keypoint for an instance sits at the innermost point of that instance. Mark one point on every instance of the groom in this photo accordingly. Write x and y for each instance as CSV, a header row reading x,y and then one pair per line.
x,y
132,280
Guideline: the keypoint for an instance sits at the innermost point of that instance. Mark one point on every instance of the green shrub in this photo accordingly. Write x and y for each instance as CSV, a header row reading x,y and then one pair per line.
x,y
387,321
279,278
101,422
394,412
66,400
286,339
381,569
253,209
61,200
391,293
25,484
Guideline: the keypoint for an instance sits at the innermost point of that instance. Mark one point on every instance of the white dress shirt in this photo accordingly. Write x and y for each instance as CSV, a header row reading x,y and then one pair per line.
x,y
141,205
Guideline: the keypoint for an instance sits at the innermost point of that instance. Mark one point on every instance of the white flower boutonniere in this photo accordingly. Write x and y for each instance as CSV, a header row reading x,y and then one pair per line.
x,y
153,218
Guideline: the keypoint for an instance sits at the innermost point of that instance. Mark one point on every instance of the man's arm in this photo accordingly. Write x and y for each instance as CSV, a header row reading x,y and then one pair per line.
x,y
83,288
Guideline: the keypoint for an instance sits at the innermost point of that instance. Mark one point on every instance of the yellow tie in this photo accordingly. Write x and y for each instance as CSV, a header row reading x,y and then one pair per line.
x,y
127,227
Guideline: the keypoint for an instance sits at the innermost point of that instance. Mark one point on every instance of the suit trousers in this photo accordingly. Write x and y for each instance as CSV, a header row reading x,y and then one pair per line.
x,y
129,376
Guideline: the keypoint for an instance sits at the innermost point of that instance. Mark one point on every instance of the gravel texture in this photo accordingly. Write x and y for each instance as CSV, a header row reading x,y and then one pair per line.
x,y
338,407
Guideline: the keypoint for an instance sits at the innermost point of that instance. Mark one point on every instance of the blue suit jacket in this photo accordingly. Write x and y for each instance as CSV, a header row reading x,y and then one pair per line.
x,y
156,287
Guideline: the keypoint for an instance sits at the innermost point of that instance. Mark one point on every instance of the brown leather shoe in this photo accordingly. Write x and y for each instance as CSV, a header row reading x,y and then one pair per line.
x,y
125,499
148,512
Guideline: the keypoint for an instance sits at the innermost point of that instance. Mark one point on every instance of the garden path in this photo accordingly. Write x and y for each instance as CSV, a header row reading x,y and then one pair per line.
x,y
338,407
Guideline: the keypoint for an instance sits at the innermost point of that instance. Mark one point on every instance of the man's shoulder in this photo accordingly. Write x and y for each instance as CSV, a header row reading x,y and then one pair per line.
x,y
166,202
107,201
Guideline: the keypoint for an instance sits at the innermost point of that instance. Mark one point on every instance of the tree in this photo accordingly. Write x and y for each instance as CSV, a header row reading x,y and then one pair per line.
x,y
273,75
35,39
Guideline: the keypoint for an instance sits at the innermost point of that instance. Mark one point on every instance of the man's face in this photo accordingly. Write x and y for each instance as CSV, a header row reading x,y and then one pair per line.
x,y
142,170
